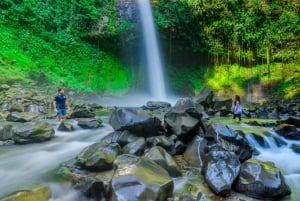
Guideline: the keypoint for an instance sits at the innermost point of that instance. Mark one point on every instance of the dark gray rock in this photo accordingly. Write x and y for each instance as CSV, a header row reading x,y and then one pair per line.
x,y
292,121
156,105
183,119
261,180
21,116
120,137
139,178
83,113
220,169
288,131
233,141
37,132
164,159
99,156
6,132
205,98
222,104
137,121
136,147
162,141
192,154
66,126
90,123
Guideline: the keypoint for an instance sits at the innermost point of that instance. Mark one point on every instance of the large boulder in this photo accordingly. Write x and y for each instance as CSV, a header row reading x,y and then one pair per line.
x,y
192,154
90,123
137,121
66,126
220,169
83,113
21,116
120,137
164,159
288,131
222,104
136,148
233,141
261,180
37,132
99,156
139,178
205,98
293,121
183,120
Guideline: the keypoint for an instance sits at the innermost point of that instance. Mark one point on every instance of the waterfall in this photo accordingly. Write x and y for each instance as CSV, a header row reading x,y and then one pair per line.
x,y
154,64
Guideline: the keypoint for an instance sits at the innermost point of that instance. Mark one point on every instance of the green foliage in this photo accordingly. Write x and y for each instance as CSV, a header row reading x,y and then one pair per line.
x,y
235,79
61,60
234,31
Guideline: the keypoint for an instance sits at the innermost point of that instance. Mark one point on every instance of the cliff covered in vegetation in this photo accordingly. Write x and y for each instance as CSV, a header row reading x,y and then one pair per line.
x,y
93,45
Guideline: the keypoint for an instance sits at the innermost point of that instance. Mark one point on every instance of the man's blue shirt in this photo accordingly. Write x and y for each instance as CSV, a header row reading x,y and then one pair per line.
x,y
60,101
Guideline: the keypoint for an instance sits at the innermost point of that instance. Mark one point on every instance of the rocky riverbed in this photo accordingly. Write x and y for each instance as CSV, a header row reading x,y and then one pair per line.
x,y
158,151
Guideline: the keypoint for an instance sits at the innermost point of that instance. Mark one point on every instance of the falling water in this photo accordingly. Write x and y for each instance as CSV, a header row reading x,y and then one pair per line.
x,y
154,64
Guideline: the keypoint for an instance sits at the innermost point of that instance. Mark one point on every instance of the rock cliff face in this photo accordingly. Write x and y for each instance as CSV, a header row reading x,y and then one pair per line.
x,y
127,10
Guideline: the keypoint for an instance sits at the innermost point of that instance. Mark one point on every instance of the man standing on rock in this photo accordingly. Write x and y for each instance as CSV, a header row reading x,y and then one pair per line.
x,y
61,105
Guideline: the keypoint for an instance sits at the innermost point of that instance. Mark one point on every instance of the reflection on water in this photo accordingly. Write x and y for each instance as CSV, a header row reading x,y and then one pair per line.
x,y
22,165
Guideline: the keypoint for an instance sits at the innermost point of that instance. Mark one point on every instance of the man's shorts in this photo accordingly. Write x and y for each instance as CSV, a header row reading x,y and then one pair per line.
x,y
62,112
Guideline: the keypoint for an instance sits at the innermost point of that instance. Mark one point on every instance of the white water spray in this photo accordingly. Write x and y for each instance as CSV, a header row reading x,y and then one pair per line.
x,y
154,64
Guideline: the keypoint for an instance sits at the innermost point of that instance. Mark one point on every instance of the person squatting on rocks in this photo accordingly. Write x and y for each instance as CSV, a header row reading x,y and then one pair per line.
x,y
237,108
61,105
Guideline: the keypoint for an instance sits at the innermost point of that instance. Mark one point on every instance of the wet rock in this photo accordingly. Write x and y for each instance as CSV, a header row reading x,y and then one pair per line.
x,y
164,159
292,121
262,113
183,119
205,98
230,140
131,180
220,169
90,124
99,156
261,180
6,132
37,132
192,154
83,113
162,141
179,148
136,148
17,108
156,105
65,126
120,137
222,104
41,193
288,131
21,116
296,148
137,121
92,185
34,108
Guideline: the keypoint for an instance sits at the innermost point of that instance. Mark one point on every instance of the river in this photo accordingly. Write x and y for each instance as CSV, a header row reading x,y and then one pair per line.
x,y
23,165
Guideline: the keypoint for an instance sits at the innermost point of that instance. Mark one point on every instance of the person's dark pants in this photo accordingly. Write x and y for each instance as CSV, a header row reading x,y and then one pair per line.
x,y
237,115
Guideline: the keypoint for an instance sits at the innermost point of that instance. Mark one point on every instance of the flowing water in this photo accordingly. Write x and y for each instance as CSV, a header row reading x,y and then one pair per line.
x,y
154,64
278,150
23,165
